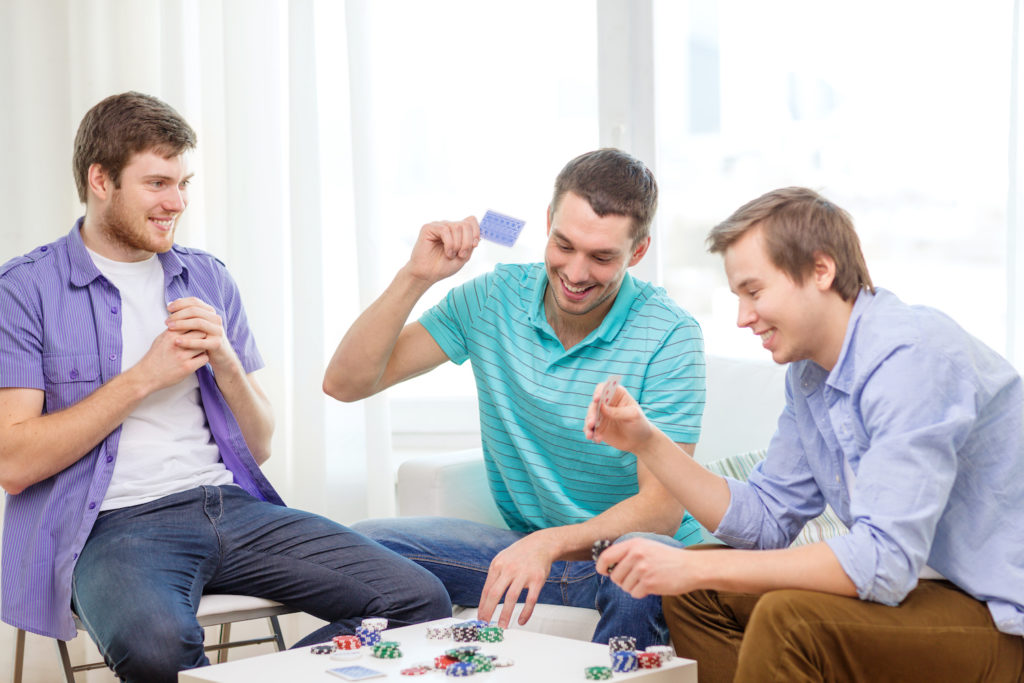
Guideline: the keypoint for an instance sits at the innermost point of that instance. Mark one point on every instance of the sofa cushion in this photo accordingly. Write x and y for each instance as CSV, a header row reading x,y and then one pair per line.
x,y
825,525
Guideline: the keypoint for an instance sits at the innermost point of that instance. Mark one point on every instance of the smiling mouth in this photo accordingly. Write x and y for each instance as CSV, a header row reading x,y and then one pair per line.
x,y
575,292
163,223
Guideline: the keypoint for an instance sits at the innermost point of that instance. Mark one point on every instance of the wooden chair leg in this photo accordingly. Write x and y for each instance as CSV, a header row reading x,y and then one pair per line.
x,y
65,660
19,655
225,636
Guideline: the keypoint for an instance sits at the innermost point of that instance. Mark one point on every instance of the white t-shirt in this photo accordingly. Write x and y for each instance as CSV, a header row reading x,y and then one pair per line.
x,y
165,444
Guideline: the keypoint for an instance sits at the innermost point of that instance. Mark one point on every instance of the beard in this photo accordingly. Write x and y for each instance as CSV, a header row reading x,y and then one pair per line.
x,y
129,230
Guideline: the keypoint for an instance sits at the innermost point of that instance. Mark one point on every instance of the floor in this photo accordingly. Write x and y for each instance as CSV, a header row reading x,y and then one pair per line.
x,y
42,664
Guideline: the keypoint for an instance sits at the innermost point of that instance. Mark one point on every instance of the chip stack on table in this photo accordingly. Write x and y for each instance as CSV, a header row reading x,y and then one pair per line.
x,y
597,673
618,643
497,227
387,649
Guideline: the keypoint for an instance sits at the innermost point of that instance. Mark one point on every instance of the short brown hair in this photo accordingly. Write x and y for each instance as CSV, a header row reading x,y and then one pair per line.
x,y
612,182
798,224
121,126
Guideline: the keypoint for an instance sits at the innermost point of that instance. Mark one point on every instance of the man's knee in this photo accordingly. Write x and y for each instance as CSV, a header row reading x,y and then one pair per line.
x,y
155,651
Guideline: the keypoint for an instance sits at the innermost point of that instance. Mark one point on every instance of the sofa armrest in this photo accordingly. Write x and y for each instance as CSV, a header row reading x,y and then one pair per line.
x,y
447,485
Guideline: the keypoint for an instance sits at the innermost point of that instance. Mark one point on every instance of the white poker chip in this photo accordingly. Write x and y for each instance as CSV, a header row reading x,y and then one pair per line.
x,y
375,623
503,661
666,652
346,654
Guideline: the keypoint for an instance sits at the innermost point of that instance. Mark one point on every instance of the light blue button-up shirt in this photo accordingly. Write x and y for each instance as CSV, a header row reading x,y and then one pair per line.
x,y
916,440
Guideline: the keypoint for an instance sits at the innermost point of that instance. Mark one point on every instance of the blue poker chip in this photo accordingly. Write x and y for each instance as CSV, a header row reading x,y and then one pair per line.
x,y
460,669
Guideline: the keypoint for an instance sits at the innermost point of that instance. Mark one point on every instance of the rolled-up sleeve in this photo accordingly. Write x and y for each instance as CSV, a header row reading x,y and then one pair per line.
x,y
915,415
770,509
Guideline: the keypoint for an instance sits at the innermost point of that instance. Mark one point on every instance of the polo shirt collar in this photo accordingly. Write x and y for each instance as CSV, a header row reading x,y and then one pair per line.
x,y
84,270
613,320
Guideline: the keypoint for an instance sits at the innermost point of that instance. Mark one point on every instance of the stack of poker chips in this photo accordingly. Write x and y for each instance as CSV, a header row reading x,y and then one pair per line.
x,y
597,673
624,661
460,669
347,642
491,634
648,660
665,652
388,649
618,643
369,630
439,632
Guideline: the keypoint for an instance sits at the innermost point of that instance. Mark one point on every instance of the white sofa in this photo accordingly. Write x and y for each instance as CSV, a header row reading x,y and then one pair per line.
x,y
743,402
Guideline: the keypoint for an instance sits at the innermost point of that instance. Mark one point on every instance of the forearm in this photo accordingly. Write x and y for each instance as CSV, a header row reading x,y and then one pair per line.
x,y
704,494
648,511
250,407
356,369
812,567
36,448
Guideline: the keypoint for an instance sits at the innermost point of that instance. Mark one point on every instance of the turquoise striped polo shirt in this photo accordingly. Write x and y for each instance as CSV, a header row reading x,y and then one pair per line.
x,y
534,394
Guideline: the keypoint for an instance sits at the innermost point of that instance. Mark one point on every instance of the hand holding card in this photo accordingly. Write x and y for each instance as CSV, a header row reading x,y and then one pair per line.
x,y
610,385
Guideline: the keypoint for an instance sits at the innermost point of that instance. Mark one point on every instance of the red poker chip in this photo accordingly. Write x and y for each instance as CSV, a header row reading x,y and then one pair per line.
x,y
347,642
415,671
444,661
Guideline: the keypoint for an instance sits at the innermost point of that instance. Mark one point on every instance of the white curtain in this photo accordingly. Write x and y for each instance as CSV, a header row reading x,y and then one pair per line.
x,y
272,195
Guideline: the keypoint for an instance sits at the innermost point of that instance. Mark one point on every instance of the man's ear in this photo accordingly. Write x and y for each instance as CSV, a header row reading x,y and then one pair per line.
x,y
824,271
639,250
550,215
99,182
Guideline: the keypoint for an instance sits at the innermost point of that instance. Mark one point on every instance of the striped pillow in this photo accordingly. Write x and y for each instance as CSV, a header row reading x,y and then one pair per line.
x,y
825,525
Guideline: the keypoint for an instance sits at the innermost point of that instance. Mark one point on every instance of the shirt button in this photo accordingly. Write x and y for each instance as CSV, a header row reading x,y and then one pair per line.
x,y
73,374
92,506
837,477
112,356
113,309
110,458
43,248
75,556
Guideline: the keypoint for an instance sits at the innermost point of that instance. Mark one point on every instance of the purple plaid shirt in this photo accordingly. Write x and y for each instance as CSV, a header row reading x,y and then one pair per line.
x,y
60,332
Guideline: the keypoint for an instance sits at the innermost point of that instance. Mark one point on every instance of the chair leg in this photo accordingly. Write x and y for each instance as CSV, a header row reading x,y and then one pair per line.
x,y
65,660
275,626
225,636
19,655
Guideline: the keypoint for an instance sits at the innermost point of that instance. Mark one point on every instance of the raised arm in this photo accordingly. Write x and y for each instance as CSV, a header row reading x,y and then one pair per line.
x,y
380,350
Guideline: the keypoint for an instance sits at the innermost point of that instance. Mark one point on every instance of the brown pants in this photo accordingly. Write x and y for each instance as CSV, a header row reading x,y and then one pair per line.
x,y
938,633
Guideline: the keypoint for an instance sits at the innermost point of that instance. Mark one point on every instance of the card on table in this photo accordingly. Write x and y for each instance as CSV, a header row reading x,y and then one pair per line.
x,y
497,227
355,673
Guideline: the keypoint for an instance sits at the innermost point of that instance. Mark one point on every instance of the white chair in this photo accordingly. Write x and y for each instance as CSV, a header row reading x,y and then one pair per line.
x,y
214,610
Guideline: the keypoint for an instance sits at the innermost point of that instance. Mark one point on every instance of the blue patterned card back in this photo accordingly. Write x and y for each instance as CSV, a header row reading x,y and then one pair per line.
x,y
497,227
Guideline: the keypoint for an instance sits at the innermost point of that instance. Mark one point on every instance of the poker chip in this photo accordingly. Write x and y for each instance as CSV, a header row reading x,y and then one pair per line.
x,y
665,652
463,653
465,633
439,632
502,662
599,547
375,623
491,634
388,649
343,655
624,661
322,649
460,669
415,671
616,643
347,642
482,663
444,661
367,636
597,673
648,660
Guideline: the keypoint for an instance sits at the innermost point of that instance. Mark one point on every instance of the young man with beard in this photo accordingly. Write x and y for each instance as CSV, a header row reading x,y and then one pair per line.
x,y
539,337
911,429
132,429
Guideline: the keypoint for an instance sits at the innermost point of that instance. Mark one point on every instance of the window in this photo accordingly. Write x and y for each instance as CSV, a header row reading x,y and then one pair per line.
x,y
898,112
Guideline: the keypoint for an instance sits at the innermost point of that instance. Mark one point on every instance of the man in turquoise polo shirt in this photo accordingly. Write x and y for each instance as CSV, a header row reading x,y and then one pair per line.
x,y
539,337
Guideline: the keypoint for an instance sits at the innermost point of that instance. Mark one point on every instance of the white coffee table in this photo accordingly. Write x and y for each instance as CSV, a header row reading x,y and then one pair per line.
x,y
538,658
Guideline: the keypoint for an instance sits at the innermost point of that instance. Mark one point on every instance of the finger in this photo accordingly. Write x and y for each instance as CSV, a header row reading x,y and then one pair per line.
x,y
490,596
511,598
468,236
531,600
187,302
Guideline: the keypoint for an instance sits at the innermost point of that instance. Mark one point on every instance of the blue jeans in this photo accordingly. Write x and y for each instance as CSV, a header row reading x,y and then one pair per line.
x,y
459,553
139,578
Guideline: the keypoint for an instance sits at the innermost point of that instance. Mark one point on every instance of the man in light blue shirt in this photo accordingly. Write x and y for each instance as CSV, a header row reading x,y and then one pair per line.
x,y
539,337
906,425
